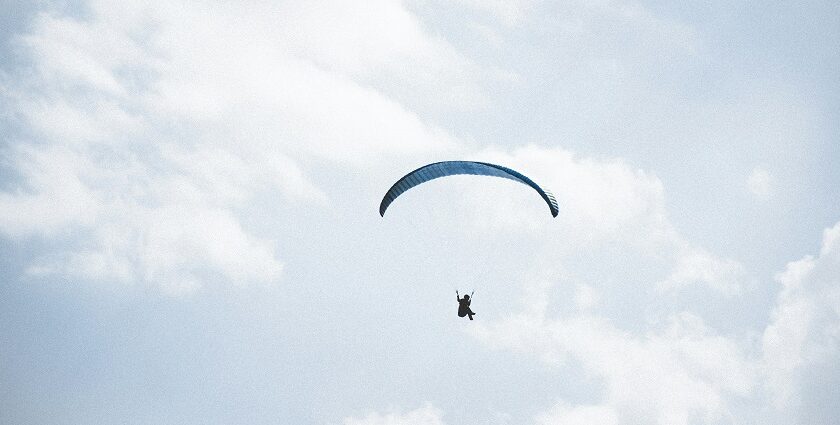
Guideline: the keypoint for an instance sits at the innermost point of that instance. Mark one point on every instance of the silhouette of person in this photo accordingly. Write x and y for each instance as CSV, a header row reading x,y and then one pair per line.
x,y
464,306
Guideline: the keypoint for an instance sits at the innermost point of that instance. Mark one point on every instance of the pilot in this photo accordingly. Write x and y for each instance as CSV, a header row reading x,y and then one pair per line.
x,y
464,305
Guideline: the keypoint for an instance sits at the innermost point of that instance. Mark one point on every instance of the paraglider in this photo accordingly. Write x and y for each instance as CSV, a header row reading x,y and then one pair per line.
x,y
451,168
464,305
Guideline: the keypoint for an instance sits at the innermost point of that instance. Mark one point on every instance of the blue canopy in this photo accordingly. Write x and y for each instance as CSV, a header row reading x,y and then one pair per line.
x,y
450,168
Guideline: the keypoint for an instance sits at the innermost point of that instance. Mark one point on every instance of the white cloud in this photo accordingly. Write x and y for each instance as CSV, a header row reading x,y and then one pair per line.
x,y
427,415
669,368
508,13
805,325
152,129
599,199
361,39
381,44
602,202
679,370
564,414
586,297
666,376
760,183
56,195
695,265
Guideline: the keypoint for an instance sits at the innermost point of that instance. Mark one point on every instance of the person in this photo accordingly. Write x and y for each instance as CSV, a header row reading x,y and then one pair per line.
x,y
464,305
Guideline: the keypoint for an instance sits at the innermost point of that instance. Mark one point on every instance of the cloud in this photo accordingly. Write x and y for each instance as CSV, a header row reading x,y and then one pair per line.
x,y
666,375
427,415
147,133
602,202
695,265
678,370
805,327
563,414
760,183
657,361
607,292
382,44
55,195
508,13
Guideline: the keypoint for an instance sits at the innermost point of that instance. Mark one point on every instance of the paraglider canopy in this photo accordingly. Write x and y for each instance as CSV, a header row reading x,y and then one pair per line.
x,y
450,168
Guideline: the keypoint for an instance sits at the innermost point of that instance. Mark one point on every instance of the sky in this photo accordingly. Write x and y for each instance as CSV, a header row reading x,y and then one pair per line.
x,y
189,227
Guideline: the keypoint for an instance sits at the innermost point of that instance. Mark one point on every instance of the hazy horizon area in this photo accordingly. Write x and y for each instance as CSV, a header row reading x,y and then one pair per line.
x,y
189,224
